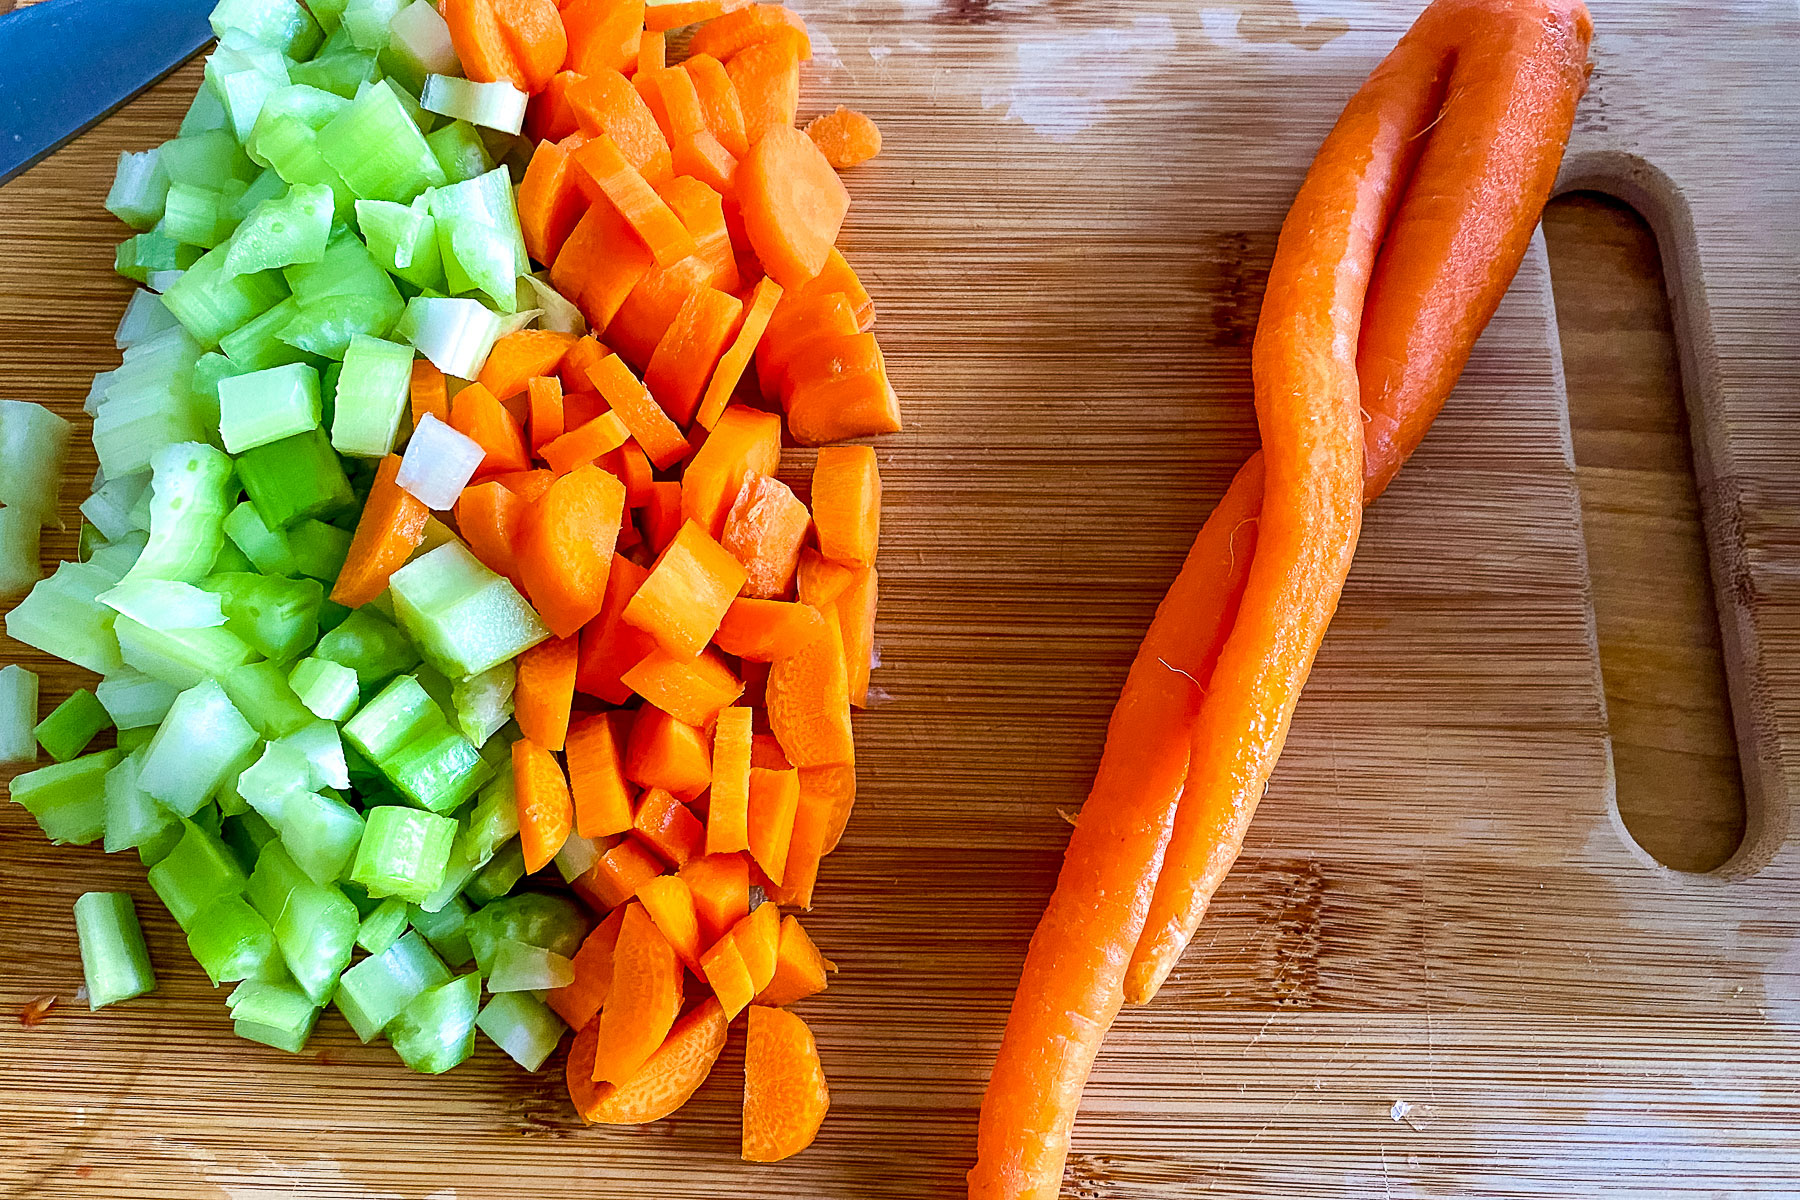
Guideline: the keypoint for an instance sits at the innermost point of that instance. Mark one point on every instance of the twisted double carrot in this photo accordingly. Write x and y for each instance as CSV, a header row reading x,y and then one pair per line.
x,y
1405,234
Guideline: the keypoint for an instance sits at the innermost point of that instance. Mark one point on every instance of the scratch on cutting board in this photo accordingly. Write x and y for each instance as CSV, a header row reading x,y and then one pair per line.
x,y
1063,84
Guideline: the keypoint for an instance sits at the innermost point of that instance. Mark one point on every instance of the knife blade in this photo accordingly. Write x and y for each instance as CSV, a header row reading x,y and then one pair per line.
x,y
64,64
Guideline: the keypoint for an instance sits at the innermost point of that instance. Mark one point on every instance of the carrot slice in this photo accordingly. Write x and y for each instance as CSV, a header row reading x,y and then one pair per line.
x,y
798,323
690,349
580,447
534,33
727,815
839,276
854,611
603,34
765,630
481,44
578,1071
607,105
822,796
828,359
702,209
721,887
800,970
744,442
545,423
391,527
545,691
785,1097
766,531
846,503
479,416
767,78
618,874
632,466
686,595
838,785
758,938
600,263
428,392
846,137
692,690
653,51
490,516
650,309
609,647
719,102
728,975
630,192
665,753
662,515
602,798
660,437
546,813
550,117
642,1002
809,702
526,485
518,357
670,1076
671,905
794,203
567,550
850,406
763,302
668,827
660,15
671,95
774,799
579,1002
765,752
725,36
821,580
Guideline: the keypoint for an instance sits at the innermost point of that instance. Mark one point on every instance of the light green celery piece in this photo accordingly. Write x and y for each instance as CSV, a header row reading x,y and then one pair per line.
x,y
205,158
139,188
231,559
66,732
419,45
134,700
115,962
291,148
130,431
367,21
201,743
62,617
261,692
437,1030
459,151
267,550
20,547
143,319
519,967
283,25
109,507
278,618
232,941
315,923
455,333
268,185
402,238
321,833
498,108
369,644
343,294
319,549
378,149
375,991
243,72
404,852
210,303
577,857
446,929
399,713
499,876
255,346
523,1026
326,688
457,873
197,871
438,770
276,777
483,703
342,72
479,237
266,406
296,478
372,396
196,216
69,799
165,604
493,821
322,746
133,816
182,657
276,1013
246,833
140,256
464,618
281,232
383,927
205,113
329,14
18,713
33,444
550,922
191,491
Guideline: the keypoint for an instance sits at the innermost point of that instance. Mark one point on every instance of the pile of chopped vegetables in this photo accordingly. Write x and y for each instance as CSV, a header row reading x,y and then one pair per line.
x,y
403,587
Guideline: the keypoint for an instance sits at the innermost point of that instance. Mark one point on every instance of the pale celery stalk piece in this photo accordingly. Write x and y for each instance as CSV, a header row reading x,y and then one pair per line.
x,y
491,105
191,491
34,442
182,657
483,703
328,689
438,464
145,317
115,962
138,189
198,747
62,618
266,406
109,508
577,857
20,542
165,604
134,700
523,1026
383,927
455,333
375,991
372,396
519,967
277,1013
18,715
463,617
133,816
556,313
419,44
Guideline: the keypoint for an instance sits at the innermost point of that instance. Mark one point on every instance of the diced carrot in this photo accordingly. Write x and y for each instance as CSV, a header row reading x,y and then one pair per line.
x,y
774,798
546,813
579,1002
650,309
686,595
578,1071
702,209
662,515
794,203
719,102
765,630
765,752
671,95
545,424
796,325
766,531
580,447
642,1003
785,1097
691,690
600,264
668,1077
846,502
633,468
821,797
829,358
478,415
481,43
690,349
668,827
583,356
662,15
758,937
809,703
837,276
526,485
850,406
631,193
671,905
609,647
724,36
567,549
653,51
490,516
428,393
846,137
607,105
854,611
603,34
763,302
728,975
545,692
838,785
744,442
618,874
721,887
596,756
391,527
767,78
728,812
550,117
625,394
534,33
667,754
799,967
518,357
821,580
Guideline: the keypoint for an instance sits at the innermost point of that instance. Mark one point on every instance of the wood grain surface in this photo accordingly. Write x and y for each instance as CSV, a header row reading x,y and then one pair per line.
x,y
1442,968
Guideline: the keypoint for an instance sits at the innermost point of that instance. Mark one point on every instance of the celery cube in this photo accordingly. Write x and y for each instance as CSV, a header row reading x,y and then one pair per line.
x,y
402,712
437,770
267,550
327,689
373,992
343,294
520,967
231,941
372,396
315,924
459,151
437,1030
74,723
204,114
553,923
69,799
321,833
268,185
243,72
134,700
191,491
369,644
109,507
291,148
197,216
366,21
419,45
523,1026
210,303
483,703
197,871
261,692
341,73
181,657
151,251
33,444
319,549
115,963
283,25
498,876
446,928
464,618
403,240
201,744
138,189
479,237
266,406
204,158
404,852
275,1013
492,823
214,367
133,817
256,345
383,927
378,149
278,617
20,547
295,478
455,333
165,604
18,713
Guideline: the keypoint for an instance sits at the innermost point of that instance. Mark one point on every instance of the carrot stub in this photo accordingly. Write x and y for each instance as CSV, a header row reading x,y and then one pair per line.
x,y
689,350
692,690
808,698
579,1002
785,1097
609,647
767,78
477,414
687,592
428,392
766,531
545,402
567,549
774,799
391,527
663,752
660,437
702,209
746,441
642,1002
670,1076
596,755
583,446
846,501
845,136
550,117
518,357
662,514
727,816
620,181
545,690
719,102
669,828
599,264
534,32
650,309
546,813
765,630
728,975
603,34
722,37
721,887
671,905
618,874
481,44
800,970
854,611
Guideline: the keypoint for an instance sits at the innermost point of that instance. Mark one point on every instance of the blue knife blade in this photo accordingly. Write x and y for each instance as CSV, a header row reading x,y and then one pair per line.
x,y
64,64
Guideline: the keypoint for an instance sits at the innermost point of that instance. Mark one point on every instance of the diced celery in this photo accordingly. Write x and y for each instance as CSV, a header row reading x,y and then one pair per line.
x,y
404,852
499,876
231,941
483,703
284,25
557,313
455,334
329,14
231,559
437,1030
399,714
375,991
246,833
491,105
295,478
458,147
260,691
182,657
268,185
419,45
291,148
378,149
321,832
267,550
372,396
479,237
243,72
278,617
191,492
370,645
205,113
152,251
438,770
275,1013
462,616
144,318
87,542
493,821
289,229
553,923
20,546
367,21
209,303
446,928
69,799
201,743
197,871
33,444
319,549
438,464
18,713
256,345
315,924
266,406
339,296
340,73
383,927
523,1026
134,700
518,967
205,158
402,239
109,508
138,189
197,216
275,778
74,723
456,876
133,817
131,427
577,857
115,962
327,689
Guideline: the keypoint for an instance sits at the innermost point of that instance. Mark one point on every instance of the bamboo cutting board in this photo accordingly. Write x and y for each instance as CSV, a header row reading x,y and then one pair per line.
x,y
1442,968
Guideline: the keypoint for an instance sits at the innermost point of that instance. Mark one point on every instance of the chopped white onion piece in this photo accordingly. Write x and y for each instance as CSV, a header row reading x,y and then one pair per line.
x,y
438,464
558,314
144,317
455,333
577,855
490,105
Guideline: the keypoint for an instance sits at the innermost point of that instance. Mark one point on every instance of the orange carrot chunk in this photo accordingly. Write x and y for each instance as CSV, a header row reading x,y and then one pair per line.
x,y
763,302
545,423
580,447
526,485
725,36
690,349
765,752
551,201
660,437
719,104
603,34
607,105
765,630
686,595
767,78
766,531
545,811
550,117
479,416
579,1002
618,874
854,612
727,815
481,43
846,502
823,792
609,647
702,209
668,827
545,691
671,94
428,393
839,276
596,755
721,887
632,466
391,527
668,754
534,32
809,702
650,309
653,51
490,517
845,137
692,690
728,975
785,1097
847,406
758,937
601,262
838,783
518,357
642,1002
671,905
662,515
822,581
798,323
661,15
774,799
567,550
800,970
668,1077
630,192
745,442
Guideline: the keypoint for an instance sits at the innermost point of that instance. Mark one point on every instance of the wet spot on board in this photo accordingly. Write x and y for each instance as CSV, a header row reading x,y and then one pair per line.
x,y
1066,83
